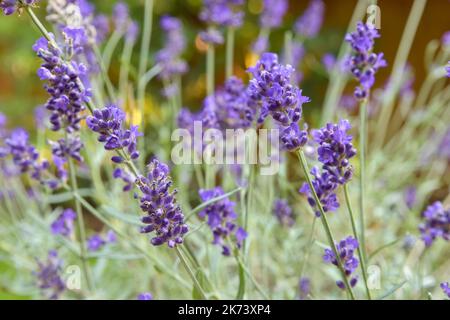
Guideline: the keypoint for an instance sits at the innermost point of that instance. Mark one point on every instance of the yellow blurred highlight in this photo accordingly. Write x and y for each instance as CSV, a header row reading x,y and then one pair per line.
x,y
200,44
251,59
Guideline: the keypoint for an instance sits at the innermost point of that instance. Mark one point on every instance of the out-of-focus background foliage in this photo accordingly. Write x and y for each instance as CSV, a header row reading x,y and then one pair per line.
x,y
20,91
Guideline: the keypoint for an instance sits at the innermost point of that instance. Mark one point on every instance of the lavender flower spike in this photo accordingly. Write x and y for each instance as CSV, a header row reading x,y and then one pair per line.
x,y
163,214
224,13
273,13
335,150
446,288
271,90
283,212
63,225
346,249
220,216
308,25
108,123
363,62
436,223
48,276
10,6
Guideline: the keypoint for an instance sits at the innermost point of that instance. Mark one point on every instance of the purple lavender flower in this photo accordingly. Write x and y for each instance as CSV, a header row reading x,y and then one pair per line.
x,y
212,36
163,214
40,117
273,13
101,25
231,107
346,249
145,296
436,223
24,155
63,225
446,288
132,32
410,194
67,147
108,122
335,150
169,56
328,61
95,242
324,184
308,25
283,212
363,62
68,94
271,89
225,13
126,177
304,287
348,103
448,70
111,237
121,15
48,276
11,6
261,44
221,216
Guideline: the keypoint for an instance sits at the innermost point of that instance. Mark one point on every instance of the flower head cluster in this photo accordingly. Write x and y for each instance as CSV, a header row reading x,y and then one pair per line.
x,y
363,62
145,296
108,123
48,276
97,241
325,187
436,223
273,13
283,212
335,150
271,89
221,218
169,56
224,13
10,6
308,25
304,287
346,249
63,225
446,288
69,147
163,214
24,155
230,105
68,94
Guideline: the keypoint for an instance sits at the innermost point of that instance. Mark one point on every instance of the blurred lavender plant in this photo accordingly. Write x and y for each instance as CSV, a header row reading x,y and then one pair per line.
x,y
48,276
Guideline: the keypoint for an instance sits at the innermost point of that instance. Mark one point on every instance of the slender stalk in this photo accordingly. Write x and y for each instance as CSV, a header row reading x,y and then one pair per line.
x,y
143,62
125,70
210,70
104,74
81,226
229,58
190,272
250,275
325,223
362,174
308,249
355,233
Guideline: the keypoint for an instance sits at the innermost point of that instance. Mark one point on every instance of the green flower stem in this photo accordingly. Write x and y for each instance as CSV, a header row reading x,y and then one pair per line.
x,y
243,267
104,74
325,223
308,249
210,70
143,62
125,70
229,58
81,225
157,262
355,233
362,174
190,272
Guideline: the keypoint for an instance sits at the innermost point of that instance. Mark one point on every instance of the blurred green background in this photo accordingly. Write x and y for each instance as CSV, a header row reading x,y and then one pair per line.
x,y
21,91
